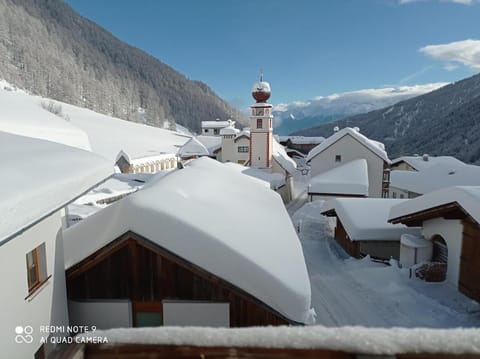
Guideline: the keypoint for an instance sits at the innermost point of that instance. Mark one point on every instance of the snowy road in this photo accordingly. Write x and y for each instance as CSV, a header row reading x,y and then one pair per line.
x,y
347,291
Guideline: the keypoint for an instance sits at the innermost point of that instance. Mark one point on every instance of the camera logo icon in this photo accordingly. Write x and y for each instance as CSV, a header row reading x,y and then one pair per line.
x,y
23,334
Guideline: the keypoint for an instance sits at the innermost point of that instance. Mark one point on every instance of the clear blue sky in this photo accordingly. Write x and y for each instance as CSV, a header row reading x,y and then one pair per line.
x,y
307,48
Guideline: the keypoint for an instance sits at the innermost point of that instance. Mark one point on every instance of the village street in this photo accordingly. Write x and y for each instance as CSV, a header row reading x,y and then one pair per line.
x,y
347,291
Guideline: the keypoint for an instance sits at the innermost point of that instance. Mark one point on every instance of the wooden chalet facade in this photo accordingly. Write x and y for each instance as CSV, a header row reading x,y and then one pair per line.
x,y
382,250
469,248
341,236
134,268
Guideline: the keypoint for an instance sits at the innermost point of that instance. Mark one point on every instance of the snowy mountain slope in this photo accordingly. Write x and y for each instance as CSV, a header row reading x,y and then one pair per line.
x,y
443,122
23,114
298,115
29,115
50,50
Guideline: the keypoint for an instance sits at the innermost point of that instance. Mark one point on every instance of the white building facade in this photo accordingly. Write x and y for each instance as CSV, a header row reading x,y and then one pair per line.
x,y
348,145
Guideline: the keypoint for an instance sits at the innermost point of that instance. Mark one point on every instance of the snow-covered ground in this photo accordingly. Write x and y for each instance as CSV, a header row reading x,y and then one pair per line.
x,y
348,291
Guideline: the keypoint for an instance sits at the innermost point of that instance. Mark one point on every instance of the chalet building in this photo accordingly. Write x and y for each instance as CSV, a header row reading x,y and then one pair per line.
x,y
416,175
145,164
362,226
39,178
213,128
347,145
450,219
154,258
348,180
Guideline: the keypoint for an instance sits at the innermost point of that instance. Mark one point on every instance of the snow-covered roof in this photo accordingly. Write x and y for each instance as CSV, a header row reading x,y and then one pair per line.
x,y
150,158
282,158
435,177
193,148
118,185
349,178
229,131
271,180
212,143
351,339
261,86
304,140
422,162
191,212
468,197
367,218
39,177
23,114
215,124
376,147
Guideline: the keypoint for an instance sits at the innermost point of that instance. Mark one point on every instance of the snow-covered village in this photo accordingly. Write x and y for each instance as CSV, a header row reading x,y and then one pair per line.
x,y
144,216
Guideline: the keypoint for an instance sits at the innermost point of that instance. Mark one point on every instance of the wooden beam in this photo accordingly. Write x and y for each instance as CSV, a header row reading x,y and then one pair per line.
x,y
451,210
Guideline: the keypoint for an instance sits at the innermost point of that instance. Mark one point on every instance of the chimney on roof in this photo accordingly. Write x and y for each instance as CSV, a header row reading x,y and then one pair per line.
x,y
336,129
425,157
357,129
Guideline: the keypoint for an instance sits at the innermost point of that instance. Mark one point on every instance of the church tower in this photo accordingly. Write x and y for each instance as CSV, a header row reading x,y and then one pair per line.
x,y
261,126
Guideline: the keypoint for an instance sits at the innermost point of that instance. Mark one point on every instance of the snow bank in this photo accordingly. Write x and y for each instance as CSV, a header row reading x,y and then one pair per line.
x,y
350,178
349,339
467,197
367,218
376,147
194,213
22,114
39,177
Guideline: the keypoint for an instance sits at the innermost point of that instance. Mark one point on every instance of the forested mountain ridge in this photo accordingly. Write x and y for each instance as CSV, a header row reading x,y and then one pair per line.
x,y
443,122
50,50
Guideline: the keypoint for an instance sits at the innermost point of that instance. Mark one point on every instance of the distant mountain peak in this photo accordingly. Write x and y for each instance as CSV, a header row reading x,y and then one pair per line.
x,y
442,122
322,109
